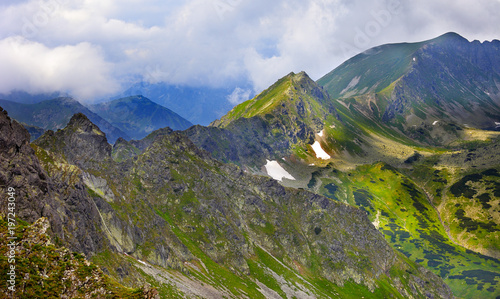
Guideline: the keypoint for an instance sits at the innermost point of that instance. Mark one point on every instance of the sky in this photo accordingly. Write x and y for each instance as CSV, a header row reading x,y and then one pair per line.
x,y
96,48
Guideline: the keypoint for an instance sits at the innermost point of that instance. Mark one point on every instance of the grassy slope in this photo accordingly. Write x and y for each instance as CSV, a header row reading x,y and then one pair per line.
x,y
285,94
373,65
412,225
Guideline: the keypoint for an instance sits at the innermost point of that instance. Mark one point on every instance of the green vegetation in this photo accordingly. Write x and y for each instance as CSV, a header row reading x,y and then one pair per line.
x,y
411,224
46,271
384,65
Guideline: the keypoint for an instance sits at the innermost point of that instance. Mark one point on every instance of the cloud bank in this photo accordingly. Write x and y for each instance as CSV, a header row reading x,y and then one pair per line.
x,y
93,48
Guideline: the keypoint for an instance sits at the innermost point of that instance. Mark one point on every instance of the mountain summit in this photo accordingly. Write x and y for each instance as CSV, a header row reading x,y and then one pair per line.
x,y
296,96
269,126
446,79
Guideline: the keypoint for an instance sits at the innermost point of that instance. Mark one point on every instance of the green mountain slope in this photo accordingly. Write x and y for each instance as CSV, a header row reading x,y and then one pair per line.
x,y
55,114
296,94
413,225
137,116
413,87
405,130
280,121
193,226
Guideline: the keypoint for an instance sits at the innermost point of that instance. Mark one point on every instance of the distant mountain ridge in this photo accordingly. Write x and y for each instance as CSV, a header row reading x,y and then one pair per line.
x,y
55,114
132,117
199,105
24,97
138,116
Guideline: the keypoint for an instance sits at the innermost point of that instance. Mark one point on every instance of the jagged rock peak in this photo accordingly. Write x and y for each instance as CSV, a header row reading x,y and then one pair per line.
x,y
81,121
11,131
82,142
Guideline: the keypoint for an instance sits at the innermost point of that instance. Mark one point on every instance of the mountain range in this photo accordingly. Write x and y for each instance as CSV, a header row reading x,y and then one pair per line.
x,y
132,117
199,105
55,114
380,180
138,116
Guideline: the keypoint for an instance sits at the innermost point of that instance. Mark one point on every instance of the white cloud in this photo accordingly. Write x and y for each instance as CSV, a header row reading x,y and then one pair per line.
x,y
239,96
34,67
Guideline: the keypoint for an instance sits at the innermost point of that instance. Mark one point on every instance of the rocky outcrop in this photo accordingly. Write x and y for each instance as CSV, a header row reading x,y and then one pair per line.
x,y
61,198
81,143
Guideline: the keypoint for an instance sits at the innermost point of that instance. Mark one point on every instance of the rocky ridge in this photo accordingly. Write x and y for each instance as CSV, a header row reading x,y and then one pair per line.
x,y
213,214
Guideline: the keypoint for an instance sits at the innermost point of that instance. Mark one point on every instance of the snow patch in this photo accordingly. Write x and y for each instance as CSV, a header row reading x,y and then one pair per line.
x,y
435,122
274,170
320,152
322,133
414,59
497,124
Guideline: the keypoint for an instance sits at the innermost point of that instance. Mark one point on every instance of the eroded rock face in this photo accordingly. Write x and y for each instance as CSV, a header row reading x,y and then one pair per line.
x,y
81,143
20,169
62,199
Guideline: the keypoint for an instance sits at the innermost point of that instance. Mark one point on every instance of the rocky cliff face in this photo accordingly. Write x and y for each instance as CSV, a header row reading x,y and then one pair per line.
x,y
81,143
60,196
